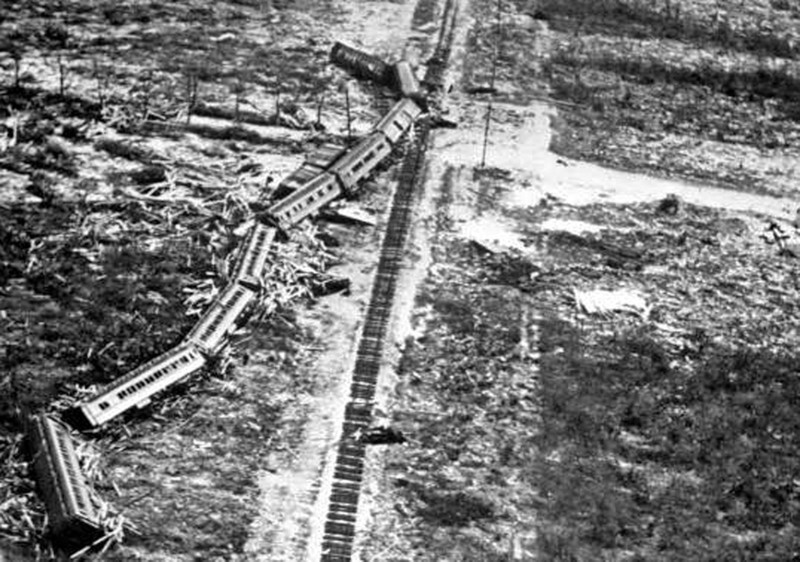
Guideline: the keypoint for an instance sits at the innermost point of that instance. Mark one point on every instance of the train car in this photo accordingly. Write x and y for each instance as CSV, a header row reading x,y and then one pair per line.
x,y
305,201
72,517
395,123
211,331
253,254
359,162
137,387
405,81
317,162
325,155
361,64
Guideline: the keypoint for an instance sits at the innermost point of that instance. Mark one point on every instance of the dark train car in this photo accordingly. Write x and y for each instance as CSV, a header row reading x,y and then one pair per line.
x,y
360,160
305,201
318,161
211,331
137,387
253,253
72,517
361,64
400,117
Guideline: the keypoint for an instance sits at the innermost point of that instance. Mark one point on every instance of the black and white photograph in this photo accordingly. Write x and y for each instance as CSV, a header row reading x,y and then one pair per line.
x,y
399,280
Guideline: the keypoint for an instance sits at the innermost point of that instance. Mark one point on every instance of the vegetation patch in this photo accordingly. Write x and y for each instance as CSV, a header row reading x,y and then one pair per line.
x,y
678,88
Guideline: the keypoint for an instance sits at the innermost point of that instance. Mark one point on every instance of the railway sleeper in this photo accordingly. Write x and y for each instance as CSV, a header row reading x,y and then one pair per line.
x,y
351,454
358,416
379,305
344,507
350,428
356,462
366,370
352,450
349,497
333,558
359,470
342,548
361,405
337,548
370,347
385,281
343,517
378,325
353,417
340,529
393,253
346,487
368,360
348,477
360,392
366,374
382,296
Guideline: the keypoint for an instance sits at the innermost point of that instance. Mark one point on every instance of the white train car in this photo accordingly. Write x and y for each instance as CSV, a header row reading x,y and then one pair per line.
x,y
137,387
316,163
405,81
360,160
400,117
253,254
305,201
211,331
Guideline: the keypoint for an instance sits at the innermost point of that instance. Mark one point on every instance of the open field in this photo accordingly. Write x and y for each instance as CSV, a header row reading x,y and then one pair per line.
x,y
137,137
538,431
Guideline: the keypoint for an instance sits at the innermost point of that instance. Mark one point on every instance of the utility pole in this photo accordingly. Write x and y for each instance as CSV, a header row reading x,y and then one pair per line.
x,y
497,42
347,103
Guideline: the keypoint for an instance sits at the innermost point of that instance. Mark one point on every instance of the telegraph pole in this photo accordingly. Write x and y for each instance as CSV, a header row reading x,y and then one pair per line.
x,y
498,39
347,105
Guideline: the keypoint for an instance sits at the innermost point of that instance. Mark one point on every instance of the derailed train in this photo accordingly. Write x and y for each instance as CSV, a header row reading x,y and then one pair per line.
x,y
212,330
399,76
328,173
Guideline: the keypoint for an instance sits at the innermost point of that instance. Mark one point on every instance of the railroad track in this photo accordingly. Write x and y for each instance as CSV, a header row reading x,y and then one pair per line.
x,y
340,522
434,75
334,172
340,528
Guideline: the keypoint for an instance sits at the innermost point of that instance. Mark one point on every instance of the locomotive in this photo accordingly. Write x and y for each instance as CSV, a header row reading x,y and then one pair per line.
x,y
399,76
